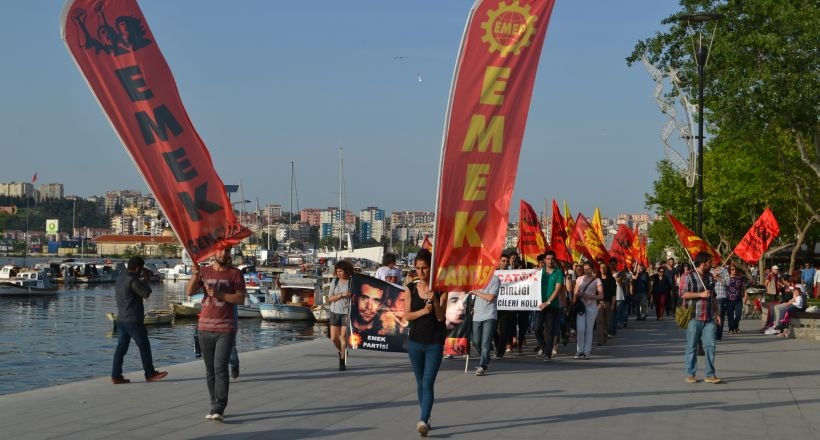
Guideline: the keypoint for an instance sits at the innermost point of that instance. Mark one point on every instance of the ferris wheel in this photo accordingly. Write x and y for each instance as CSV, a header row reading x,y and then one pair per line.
x,y
683,124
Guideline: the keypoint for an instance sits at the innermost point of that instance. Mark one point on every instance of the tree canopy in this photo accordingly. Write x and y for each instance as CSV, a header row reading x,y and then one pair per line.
x,y
760,111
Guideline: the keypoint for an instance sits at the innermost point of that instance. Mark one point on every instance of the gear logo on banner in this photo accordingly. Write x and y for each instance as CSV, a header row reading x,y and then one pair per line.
x,y
509,28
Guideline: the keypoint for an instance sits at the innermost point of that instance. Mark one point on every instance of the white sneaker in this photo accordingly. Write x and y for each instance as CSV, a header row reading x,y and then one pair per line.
x,y
480,371
540,352
422,428
217,417
771,331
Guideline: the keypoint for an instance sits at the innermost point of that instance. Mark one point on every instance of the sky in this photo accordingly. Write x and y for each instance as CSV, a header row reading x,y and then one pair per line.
x,y
267,83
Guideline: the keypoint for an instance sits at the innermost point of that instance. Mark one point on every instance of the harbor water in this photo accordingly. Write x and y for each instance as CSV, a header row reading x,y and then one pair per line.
x,y
46,341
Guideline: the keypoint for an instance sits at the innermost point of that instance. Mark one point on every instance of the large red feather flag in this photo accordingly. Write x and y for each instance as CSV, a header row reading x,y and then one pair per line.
x,y
119,57
691,242
558,235
489,102
531,239
752,246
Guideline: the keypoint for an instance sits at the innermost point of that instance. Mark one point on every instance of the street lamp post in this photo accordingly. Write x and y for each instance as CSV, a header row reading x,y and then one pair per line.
x,y
698,23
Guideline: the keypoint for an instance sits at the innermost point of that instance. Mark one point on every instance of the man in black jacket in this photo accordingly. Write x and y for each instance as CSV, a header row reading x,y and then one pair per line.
x,y
131,289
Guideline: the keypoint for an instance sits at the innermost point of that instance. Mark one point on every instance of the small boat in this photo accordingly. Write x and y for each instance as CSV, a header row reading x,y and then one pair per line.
x,y
179,272
251,308
29,283
295,301
285,312
9,272
189,308
152,317
320,313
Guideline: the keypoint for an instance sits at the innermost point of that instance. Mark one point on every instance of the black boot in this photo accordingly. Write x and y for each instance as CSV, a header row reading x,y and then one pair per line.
x,y
342,366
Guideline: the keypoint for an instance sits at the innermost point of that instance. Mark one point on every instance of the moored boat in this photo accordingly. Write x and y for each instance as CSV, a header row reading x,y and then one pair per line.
x,y
28,283
152,317
189,308
296,299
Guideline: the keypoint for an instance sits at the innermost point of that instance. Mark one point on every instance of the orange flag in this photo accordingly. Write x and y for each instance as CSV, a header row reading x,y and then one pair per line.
x,y
119,57
760,236
642,256
486,119
427,244
585,240
636,246
691,242
621,247
531,239
558,236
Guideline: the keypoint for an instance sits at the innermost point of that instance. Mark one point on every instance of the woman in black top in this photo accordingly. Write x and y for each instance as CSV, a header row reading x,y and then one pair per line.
x,y
425,309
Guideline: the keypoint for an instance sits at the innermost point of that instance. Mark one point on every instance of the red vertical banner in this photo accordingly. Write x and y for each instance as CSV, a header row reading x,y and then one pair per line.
x,y
531,239
119,57
489,103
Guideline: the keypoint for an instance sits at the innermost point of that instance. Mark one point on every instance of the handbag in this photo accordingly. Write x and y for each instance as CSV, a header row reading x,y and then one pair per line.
x,y
683,315
578,307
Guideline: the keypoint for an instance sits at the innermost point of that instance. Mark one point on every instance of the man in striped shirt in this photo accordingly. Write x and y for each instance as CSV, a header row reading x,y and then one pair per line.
x,y
698,292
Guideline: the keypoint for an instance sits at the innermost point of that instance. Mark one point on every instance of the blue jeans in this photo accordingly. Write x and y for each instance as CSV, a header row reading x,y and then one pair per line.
x,y
703,331
483,332
139,334
426,360
216,350
722,306
734,311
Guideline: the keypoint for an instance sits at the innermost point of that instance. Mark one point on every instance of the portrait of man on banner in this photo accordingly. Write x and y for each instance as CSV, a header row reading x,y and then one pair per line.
x,y
458,320
377,315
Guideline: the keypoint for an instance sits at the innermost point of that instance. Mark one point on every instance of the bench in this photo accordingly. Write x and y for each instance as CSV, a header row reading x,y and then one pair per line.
x,y
804,325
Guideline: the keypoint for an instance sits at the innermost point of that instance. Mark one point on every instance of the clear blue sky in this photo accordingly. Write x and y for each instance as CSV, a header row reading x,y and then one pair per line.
x,y
270,82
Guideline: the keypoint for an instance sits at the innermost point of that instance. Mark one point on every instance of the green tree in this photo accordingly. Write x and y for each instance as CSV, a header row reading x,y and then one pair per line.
x,y
761,108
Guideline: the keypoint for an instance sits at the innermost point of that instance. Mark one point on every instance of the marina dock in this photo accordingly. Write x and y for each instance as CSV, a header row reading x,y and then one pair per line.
x,y
632,388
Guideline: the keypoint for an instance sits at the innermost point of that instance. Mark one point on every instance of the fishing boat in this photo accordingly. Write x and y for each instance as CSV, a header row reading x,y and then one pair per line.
x,y
179,272
295,301
9,272
189,308
152,317
28,283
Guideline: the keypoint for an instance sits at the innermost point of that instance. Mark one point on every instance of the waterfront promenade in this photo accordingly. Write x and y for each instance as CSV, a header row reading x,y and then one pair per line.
x,y
633,388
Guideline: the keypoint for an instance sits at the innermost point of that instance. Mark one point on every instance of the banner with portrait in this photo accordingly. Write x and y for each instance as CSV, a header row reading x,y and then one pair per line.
x,y
377,315
458,319
520,289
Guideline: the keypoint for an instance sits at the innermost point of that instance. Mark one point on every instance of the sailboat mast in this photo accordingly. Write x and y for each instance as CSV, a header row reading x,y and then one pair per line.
x,y
290,215
341,214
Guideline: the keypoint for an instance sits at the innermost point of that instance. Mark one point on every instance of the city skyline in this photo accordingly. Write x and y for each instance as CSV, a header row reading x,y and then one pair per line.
x,y
352,82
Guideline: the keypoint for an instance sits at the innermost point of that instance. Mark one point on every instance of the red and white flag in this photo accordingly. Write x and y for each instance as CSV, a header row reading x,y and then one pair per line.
x,y
34,177
119,57
489,102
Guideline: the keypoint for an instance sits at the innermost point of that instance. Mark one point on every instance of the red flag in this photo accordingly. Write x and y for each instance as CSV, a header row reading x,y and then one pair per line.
x,y
586,241
490,99
633,256
427,244
558,236
121,61
34,177
760,236
691,242
531,239
621,247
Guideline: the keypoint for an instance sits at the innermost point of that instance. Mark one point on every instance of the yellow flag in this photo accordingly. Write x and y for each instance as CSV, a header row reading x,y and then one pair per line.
x,y
597,225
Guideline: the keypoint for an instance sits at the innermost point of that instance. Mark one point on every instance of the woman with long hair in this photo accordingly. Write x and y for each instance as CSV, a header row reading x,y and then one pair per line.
x,y
425,309
339,312
590,290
